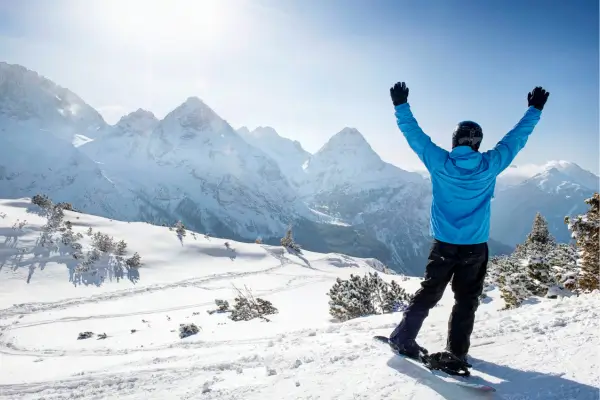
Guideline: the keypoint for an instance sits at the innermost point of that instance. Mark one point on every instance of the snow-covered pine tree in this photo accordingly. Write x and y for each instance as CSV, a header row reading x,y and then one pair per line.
x,y
377,289
512,280
395,298
564,268
366,295
586,231
288,241
533,254
345,302
180,230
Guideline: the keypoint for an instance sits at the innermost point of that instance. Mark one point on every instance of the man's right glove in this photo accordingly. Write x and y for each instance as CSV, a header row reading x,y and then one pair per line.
x,y
399,93
537,97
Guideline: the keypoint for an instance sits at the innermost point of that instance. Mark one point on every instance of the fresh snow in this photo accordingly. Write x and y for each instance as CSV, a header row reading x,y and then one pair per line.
x,y
80,140
547,349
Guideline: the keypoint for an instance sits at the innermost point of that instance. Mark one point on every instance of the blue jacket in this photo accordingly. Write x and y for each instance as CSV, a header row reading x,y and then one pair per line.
x,y
463,180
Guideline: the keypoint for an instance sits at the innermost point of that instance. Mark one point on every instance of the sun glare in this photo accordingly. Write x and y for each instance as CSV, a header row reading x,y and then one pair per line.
x,y
168,22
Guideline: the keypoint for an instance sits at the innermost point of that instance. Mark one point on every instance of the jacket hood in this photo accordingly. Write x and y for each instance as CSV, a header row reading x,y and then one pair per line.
x,y
465,157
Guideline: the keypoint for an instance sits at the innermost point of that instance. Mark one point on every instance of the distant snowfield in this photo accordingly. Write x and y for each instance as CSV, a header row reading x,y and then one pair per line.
x,y
547,349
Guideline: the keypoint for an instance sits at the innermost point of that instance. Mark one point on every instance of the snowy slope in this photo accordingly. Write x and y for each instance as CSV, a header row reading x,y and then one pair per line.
x,y
289,154
546,350
33,102
33,161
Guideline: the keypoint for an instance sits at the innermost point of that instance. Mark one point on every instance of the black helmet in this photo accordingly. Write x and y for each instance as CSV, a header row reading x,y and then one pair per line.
x,y
467,133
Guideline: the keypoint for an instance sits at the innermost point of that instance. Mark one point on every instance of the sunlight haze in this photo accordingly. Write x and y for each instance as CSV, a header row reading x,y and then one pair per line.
x,y
310,68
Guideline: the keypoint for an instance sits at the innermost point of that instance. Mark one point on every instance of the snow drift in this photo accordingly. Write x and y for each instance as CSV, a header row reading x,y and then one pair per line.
x,y
121,338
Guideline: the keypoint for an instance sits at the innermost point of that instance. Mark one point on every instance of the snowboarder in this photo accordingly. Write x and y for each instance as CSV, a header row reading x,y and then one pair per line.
x,y
463,182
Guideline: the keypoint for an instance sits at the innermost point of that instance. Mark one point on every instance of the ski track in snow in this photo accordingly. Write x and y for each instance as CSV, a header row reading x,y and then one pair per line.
x,y
547,349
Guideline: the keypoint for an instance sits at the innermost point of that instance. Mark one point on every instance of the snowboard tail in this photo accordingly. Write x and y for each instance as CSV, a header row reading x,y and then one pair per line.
x,y
422,363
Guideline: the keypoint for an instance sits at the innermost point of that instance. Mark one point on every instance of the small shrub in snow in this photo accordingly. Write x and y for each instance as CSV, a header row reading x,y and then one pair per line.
x,y
227,245
102,336
246,307
2,215
186,330
85,335
288,241
89,231
367,295
180,230
19,225
41,200
134,261
121,248
103,242
65,206
222,307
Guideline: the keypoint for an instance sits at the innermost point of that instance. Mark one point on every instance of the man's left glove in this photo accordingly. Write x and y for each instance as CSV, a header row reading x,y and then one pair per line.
x,y
399,93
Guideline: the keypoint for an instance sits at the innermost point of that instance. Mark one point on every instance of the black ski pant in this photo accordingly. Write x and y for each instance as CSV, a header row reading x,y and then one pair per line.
x,y
466,266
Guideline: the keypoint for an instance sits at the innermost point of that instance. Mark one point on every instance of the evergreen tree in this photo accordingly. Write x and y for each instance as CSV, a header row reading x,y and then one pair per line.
x,y
288,241
534,253
586,231
395,298
564,268
366,295
513,281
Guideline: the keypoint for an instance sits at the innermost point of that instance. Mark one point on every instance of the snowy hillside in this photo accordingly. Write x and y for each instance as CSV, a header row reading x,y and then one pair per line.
x,y
289,154
33,161
546,349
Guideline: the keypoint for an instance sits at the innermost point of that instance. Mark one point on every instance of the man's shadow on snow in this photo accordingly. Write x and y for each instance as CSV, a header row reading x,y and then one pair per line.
x,y
515,383
533,384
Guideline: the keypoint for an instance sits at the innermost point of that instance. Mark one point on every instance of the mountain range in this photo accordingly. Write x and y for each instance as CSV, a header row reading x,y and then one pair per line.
x,y
245,184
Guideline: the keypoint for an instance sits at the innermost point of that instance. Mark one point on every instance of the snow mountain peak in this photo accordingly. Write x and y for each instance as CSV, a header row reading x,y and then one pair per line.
x,y
349,138
139,122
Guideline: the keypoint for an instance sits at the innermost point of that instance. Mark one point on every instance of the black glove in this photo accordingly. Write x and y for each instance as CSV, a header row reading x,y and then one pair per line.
x,y
537,97
399,93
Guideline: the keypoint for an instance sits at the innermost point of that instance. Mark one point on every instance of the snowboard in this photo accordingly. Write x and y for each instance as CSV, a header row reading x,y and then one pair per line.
x,y
468,382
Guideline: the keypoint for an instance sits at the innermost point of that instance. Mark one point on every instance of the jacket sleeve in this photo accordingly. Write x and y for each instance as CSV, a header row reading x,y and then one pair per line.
x,y
430,154
507,149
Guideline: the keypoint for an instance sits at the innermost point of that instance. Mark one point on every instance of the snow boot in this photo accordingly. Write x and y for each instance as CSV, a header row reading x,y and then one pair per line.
x,y
409,349
449,363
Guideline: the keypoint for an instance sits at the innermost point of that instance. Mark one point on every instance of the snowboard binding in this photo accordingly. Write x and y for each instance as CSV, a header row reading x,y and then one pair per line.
x,y
448,363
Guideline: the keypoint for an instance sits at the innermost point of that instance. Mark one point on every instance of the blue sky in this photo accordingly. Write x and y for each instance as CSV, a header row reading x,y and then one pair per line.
x,y
309,68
